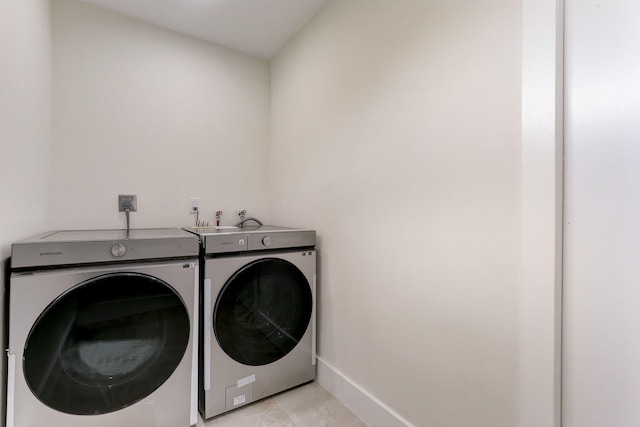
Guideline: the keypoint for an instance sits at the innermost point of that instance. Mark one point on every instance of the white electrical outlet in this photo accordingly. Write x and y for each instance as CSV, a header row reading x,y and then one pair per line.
x,y
195,204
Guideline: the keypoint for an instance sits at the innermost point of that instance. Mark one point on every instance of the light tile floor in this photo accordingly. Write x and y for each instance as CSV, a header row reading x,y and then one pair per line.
x,y
309,405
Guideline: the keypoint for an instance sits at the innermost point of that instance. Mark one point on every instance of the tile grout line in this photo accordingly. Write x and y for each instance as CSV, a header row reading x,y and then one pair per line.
x,y
287,412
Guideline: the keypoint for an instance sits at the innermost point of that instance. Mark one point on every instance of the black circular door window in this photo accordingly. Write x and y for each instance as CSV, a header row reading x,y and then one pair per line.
x,y
262,311
106,344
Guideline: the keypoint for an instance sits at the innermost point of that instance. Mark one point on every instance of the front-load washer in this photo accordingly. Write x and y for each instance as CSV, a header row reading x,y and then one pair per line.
x,y
103,329
258,287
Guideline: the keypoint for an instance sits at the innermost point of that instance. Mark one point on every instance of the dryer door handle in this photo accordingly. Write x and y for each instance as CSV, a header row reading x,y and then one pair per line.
x,y
313,321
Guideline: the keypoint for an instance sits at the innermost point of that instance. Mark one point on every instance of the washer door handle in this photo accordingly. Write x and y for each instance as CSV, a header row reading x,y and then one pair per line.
x,y
11,385
207,335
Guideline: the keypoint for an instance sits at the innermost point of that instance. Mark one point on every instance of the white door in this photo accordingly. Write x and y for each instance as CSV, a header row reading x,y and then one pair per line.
x,y
601,302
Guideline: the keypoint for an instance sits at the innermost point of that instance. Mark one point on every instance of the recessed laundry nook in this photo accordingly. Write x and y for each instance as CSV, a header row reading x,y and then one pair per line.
x,y
327,212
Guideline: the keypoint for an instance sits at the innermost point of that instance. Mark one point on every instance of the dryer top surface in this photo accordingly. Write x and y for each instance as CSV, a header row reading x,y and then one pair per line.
x,y
247,229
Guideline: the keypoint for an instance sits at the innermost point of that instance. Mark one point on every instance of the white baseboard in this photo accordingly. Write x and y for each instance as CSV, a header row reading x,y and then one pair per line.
x,y
370,410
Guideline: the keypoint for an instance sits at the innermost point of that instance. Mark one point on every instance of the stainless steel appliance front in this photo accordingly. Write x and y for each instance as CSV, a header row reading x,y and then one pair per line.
x,y
258,293
105,343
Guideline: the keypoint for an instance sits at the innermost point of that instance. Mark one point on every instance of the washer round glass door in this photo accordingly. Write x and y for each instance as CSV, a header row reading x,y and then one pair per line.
x,y
106,344
262,311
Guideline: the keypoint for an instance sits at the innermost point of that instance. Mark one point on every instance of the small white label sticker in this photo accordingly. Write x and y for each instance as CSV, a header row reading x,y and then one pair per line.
x,y
239,400
247,380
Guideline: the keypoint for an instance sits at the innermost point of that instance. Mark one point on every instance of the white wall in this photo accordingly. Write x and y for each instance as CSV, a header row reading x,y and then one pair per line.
x,y
393,127
142,110
601,339
25,120
540,296
396,133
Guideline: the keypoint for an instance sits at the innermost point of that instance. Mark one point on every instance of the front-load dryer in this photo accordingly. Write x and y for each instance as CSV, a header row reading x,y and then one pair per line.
x,y
103,329
258,314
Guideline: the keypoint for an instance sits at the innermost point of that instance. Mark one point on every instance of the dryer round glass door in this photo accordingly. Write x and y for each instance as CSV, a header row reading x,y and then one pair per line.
x,y
262,311
106,344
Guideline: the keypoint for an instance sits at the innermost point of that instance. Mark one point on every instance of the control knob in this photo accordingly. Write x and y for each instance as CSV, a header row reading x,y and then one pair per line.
x,y
266,241
118,250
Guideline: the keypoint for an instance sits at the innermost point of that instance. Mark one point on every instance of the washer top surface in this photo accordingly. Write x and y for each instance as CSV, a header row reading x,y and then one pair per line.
x,y
64,247
101,235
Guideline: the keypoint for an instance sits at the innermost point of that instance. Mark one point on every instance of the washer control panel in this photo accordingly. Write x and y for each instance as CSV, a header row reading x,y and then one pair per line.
x,y
71,247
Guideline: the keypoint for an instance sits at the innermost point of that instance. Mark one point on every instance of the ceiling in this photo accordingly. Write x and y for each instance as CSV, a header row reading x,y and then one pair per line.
x,y
256,27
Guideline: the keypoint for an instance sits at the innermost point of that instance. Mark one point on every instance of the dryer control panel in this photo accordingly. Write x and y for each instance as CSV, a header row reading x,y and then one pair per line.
x,y
225,243
270,240
265,237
